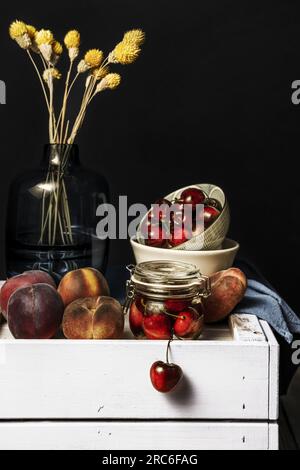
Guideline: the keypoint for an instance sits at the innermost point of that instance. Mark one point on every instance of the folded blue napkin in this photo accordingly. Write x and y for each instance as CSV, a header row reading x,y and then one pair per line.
x,y
262,300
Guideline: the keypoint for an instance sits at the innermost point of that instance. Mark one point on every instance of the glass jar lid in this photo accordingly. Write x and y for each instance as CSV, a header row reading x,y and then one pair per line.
x,y
168,279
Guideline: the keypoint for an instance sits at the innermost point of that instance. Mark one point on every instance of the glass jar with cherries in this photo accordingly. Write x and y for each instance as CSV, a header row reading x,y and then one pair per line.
x,y
164,299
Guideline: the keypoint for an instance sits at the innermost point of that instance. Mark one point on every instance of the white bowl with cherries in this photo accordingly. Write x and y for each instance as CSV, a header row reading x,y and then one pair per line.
x,y
198,235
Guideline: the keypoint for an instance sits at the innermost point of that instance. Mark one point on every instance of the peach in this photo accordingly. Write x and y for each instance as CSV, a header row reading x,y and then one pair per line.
x,y
227,290
93,318
26,279
34,312
82,283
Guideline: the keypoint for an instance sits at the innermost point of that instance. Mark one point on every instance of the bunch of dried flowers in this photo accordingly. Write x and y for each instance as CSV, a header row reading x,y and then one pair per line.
x,y
56,226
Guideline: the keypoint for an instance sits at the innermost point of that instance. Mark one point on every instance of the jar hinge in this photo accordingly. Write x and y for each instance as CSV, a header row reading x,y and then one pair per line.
x,y
130,294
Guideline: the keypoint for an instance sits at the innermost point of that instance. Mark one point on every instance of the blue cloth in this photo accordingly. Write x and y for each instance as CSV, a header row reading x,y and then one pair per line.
x,y
262,300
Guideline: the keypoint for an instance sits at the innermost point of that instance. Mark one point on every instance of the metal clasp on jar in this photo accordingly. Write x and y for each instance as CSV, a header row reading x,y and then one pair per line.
x,y
130,290
207,287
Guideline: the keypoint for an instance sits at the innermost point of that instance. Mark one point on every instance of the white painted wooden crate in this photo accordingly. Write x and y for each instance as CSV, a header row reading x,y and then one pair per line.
x,y
230,373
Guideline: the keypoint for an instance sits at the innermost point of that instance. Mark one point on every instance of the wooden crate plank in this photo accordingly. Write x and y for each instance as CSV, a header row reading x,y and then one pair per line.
x,y
135,435
273,436
246,328
110,379
273,372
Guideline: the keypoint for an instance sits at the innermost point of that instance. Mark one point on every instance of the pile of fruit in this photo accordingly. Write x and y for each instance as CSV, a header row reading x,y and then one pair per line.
x,y
81,306
167,225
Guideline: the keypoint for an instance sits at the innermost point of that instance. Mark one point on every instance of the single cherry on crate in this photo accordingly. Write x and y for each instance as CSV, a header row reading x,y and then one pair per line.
x,y
210,216
156,324
164,375
192,196
136,317
188,324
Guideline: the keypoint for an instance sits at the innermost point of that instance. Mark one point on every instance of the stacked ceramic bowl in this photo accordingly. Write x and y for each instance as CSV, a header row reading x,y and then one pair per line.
x,y
209,249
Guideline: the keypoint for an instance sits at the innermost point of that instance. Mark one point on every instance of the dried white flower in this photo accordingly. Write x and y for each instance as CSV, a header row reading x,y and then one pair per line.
x,y
24,41
82,66
46,51
111,58
73,53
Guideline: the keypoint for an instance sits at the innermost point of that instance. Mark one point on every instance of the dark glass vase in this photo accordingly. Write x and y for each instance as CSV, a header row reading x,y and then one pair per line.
x,y
51,216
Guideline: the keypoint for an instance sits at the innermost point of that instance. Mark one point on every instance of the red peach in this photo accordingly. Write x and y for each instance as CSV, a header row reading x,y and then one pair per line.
x,y
228,288
93,318
82,283
26,279
34,312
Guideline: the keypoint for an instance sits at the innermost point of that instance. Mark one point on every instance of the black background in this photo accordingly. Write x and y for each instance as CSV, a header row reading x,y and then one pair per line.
x,y
208,101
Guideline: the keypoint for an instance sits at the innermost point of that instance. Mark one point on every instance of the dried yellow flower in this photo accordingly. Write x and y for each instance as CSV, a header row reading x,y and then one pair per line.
x,y
93,58
57,48
44,36
135,36
100,72
51,72
17,29
124,53
111,81
31,30
72,39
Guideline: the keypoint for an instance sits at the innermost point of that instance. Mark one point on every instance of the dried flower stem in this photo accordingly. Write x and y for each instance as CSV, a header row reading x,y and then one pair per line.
x,y
65,99
40,78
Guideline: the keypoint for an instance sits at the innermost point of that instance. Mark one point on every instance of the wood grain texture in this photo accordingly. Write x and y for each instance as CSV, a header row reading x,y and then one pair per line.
x,y
110,379
246,328
273,371
137,435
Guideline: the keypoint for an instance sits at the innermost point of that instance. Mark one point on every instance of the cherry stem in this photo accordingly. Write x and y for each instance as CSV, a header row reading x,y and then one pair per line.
x,y
167,353
174,316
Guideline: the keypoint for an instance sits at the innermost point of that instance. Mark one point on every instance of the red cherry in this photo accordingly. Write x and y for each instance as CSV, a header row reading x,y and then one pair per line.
x,y
210,215
136,317
188,324
154,234
178,217
160,210
175,306
179,235
192,196
165,376
198,223
210,201
157,326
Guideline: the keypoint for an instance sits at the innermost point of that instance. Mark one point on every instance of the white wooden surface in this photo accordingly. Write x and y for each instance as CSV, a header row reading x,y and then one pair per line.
x,y
103,435
110,379
273,372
